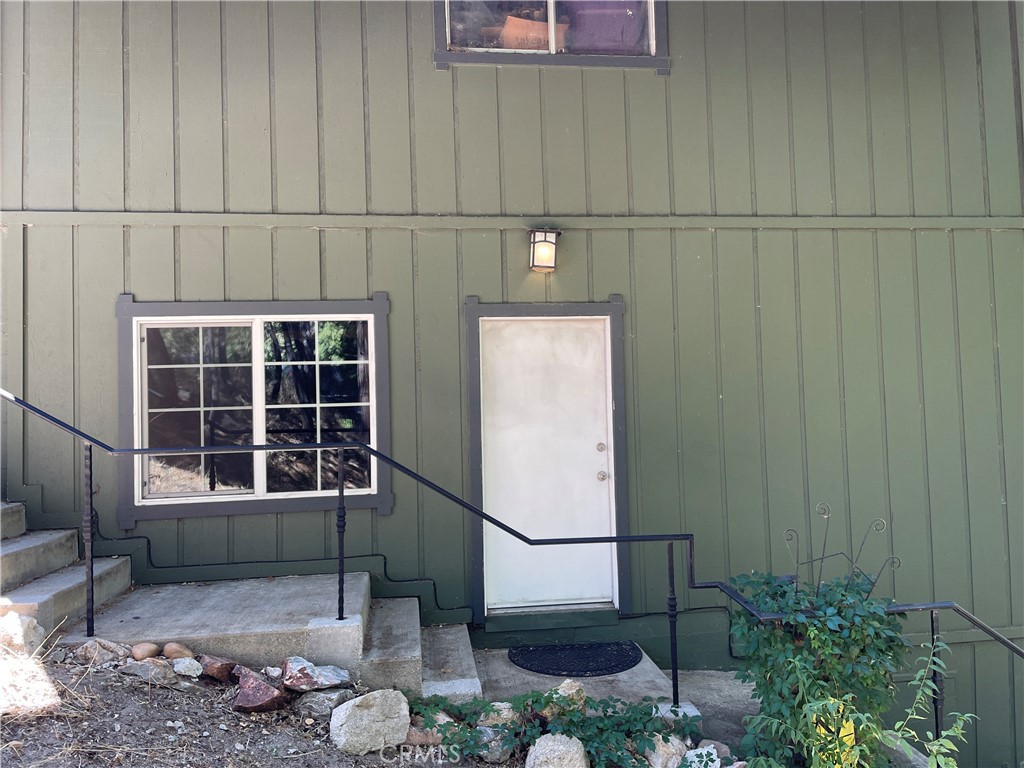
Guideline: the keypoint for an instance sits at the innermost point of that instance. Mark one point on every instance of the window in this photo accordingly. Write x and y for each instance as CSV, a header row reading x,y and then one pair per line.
x,y
286,374
577,32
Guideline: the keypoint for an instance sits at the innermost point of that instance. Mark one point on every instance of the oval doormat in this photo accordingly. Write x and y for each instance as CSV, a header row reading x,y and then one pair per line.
x,y
578,659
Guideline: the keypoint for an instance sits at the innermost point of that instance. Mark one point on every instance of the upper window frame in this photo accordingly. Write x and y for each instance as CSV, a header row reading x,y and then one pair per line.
x,y
660,62
131,315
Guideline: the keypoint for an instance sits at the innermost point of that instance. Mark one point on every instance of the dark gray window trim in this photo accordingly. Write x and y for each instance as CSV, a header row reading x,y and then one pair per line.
x,y
129,513
614,309
443,58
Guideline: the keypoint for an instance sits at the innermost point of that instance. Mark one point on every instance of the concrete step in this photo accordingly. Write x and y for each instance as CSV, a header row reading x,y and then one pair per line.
x,y
60,596
448,666
257,622
34,554
12,520
393,656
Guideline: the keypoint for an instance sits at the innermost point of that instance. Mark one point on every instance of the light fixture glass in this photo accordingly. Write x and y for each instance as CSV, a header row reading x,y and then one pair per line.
x,y
543,247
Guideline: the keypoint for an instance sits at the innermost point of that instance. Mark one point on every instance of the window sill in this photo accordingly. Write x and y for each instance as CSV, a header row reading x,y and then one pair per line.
x,y
130,514
443,60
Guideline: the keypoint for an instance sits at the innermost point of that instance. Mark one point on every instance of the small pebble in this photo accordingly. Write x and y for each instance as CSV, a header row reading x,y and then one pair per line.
x,y
239,747
206,733
222,727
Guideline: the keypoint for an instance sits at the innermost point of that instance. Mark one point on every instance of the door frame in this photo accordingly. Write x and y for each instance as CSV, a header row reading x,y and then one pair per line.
x,y
614,309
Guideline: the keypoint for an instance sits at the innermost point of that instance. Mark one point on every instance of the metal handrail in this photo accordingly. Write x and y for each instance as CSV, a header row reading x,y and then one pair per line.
x,y
89,522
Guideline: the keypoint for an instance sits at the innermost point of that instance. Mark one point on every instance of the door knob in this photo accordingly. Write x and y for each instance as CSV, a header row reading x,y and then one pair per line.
x,y
602,475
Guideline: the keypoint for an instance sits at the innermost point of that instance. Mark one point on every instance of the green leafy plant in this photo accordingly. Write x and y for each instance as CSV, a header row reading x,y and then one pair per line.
x,y
835,648
612,731
939,748
826,726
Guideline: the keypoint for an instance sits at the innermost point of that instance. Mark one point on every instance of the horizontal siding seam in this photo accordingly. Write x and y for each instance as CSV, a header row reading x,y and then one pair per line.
x,y
36,217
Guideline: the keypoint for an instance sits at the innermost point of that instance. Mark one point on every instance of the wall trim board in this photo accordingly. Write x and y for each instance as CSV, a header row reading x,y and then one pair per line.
x,y
328,221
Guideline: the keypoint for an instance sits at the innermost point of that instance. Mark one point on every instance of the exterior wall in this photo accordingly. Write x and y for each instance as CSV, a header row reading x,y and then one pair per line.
x,y
815,221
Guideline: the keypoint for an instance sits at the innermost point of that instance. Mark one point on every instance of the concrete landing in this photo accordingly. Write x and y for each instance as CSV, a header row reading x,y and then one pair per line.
x,y
257,622
501,679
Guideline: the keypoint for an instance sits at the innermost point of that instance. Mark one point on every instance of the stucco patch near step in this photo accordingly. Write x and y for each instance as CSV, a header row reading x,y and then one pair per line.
x,y
60,596
448,666
393,657
35,554
12,520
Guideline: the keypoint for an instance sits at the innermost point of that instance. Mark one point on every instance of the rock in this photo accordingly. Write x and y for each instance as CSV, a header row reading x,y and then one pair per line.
x,y
499,713
152,671
494,753
372,722
254,694
568,696
218,668
301,675
704,757
720,748
142,651
21,634
187,667
177,651
421,736
274,673
318,705
99,651
557,751
666,754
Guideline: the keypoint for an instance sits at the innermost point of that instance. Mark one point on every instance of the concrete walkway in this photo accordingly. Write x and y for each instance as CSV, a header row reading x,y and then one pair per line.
x,y
500,680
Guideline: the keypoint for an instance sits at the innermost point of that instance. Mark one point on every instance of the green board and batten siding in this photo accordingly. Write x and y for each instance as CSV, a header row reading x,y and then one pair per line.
x,y
815,221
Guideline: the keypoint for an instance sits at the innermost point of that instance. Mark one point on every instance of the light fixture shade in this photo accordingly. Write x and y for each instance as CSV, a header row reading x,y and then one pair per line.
x,y
543,249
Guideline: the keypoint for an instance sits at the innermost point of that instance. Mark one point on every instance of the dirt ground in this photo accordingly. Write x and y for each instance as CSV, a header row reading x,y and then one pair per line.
x,y
61,713
101,717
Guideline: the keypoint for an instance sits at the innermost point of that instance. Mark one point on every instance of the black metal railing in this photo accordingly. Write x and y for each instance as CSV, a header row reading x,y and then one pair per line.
x,y
89,523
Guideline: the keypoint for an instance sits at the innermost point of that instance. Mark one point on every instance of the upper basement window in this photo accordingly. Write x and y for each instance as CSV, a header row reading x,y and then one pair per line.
x,y
616,33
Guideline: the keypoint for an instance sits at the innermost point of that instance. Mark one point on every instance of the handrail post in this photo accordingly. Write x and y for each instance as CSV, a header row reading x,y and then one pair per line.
x,y
87,529
340,522
939,696
672,618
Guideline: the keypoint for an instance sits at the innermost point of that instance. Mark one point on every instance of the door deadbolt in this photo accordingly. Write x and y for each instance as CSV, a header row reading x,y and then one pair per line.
x,y
602,447
602,475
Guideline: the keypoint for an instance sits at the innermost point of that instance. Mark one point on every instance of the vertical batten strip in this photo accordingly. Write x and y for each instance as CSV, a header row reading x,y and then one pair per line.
x,y
959,375
766,512
883,406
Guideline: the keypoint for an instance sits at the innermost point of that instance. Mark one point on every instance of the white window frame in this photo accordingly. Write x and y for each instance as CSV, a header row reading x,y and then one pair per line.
x,y
133,316
140,408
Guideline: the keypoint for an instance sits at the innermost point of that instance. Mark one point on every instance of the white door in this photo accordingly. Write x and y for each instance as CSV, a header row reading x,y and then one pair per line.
x,y
547,453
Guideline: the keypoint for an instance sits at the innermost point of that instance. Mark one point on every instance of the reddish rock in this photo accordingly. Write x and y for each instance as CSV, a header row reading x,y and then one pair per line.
x,y
421,736
218,668
301,675
256,695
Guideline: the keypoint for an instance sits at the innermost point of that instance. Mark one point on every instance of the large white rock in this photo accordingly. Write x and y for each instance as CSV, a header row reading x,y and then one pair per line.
x,y
21,634
499,713
372,722
554,750
666,754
